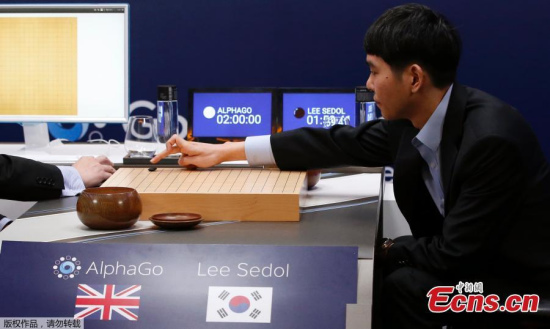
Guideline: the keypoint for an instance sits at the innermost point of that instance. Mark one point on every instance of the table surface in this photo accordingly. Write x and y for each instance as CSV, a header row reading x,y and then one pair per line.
x,y
344,223
350,224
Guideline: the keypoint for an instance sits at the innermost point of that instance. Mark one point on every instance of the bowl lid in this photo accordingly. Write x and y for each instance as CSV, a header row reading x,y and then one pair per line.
x,y
176,217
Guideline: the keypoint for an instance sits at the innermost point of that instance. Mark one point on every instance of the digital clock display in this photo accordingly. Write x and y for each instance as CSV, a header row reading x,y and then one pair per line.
x,y
319,110
232,114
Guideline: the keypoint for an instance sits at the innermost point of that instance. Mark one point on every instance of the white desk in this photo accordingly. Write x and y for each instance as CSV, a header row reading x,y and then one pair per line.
x,y
67,154
58,153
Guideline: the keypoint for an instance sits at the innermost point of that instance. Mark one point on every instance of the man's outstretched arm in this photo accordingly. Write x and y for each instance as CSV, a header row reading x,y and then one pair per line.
x,y
201,154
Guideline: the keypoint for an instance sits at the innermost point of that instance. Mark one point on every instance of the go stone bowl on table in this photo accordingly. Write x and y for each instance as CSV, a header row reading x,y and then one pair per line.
x,y
109,208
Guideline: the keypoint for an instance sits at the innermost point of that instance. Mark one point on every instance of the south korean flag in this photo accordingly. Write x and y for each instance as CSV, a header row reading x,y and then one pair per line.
x,y
239,304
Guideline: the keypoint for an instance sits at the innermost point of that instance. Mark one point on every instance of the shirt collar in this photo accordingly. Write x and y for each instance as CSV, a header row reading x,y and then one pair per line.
x,y
430,134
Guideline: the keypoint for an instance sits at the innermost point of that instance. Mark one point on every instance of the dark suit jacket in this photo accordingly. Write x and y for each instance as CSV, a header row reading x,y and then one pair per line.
x,y
28,180
495,177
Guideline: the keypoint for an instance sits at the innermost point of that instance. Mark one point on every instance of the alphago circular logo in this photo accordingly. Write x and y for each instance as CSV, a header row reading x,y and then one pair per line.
x,y
209,112
66,267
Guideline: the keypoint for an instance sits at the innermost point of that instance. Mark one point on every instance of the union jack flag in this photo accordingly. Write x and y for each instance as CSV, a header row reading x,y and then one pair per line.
x,y
107,302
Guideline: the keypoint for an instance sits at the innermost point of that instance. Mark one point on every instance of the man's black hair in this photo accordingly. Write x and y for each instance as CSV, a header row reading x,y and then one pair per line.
x,y
414,33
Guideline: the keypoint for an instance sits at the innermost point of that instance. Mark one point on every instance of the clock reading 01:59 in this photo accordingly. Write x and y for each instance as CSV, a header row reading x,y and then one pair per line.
x,y
238,119
328,120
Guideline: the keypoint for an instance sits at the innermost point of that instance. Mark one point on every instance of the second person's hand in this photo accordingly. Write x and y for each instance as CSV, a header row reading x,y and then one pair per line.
x,y
94,170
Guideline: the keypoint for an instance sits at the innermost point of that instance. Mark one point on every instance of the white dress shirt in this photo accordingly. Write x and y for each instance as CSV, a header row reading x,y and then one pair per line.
x,y
427,143
258,151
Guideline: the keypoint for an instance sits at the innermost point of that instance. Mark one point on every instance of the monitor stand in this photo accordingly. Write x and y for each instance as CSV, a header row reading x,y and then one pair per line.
x,y
38,147
36,136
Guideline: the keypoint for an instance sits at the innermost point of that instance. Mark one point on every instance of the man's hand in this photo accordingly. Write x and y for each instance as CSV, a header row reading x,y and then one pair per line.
x,y
202,155
94,171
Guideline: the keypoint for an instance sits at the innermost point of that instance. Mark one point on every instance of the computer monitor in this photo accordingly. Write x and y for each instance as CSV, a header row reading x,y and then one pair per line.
x,y
63,63
224,114
317,107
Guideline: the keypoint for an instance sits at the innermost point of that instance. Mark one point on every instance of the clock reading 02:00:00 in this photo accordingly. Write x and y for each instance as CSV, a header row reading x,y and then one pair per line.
x,y
238,119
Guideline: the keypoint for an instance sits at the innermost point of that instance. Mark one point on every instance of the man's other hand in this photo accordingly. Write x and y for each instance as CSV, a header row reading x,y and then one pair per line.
x,y
94,171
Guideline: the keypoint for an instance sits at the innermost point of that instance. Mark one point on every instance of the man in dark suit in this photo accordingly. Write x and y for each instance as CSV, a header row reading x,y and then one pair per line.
x,y
27,180
470,176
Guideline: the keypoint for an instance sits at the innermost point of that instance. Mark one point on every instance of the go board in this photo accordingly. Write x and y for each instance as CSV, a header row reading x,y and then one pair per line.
x,y
217,194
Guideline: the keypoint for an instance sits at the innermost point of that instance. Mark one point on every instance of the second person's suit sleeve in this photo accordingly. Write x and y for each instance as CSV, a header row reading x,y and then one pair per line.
x,y
28,180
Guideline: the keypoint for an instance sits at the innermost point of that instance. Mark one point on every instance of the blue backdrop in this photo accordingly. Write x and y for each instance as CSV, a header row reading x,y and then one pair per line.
x,y
318,43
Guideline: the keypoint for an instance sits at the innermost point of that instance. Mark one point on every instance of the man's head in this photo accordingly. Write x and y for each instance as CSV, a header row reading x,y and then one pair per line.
x,y
413,33
410,49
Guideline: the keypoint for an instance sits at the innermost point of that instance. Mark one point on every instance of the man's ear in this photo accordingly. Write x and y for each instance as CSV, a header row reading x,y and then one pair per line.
x,y
417,77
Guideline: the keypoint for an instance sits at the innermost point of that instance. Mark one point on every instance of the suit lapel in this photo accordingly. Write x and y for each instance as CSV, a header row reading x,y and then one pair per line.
x,y
411,192
407,171
452,135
